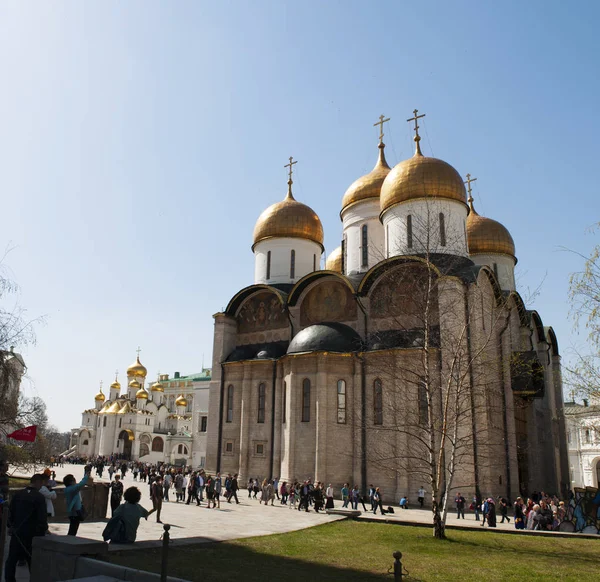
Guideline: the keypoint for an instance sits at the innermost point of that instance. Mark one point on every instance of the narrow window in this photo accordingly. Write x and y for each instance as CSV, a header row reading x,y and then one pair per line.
x,y
314,262
587,436
104,423
203,423
269,265
292,264
260,449
442,230
306,400
387,240
229,447
377,402
341,402
230,403
284,400
344,258
261,402
423,409
496,270
409,237
365,246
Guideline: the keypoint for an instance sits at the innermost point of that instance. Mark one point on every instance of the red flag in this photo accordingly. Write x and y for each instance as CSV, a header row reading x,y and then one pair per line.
x,y
24,434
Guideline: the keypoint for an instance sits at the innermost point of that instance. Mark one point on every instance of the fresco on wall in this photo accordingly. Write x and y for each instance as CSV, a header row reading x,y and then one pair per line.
x,y
261,312
328,301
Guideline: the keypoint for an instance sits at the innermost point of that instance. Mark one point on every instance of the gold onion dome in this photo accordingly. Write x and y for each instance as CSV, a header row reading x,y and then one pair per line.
x,y
181,401
135,384
137,369
487,236
334,260
100,396
157,387
288,219
141,393
421,177
369,185
116,385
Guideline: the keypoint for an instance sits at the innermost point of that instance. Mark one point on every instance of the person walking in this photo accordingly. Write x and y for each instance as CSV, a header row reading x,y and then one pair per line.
x,y
329,496
421,496
157,497
27,519
491,513
166,486
519,514
218,489
73,500
460,506
504,510
233,489
378,502
346,495
116,494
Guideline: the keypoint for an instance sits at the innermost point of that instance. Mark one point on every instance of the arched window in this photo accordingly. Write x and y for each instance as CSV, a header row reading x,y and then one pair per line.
x,y
292,264
314,262
144,450
409,232
157,445
284,403
85,442
182,450
269,265
588,439
341,402
230,403
306,400
364,246
442,230
423,408
377,402
261,402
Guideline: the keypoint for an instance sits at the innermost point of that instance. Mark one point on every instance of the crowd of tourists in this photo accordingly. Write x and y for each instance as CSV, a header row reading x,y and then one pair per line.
x,y
541,511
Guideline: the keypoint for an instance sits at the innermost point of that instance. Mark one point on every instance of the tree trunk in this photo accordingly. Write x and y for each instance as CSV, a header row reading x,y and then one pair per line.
x,y
439,527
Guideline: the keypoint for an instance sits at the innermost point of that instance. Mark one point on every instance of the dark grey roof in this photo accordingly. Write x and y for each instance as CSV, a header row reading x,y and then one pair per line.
x,y
265,351
326,337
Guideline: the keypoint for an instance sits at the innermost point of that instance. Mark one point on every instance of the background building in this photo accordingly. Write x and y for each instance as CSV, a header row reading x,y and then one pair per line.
x,y
164,421
583,437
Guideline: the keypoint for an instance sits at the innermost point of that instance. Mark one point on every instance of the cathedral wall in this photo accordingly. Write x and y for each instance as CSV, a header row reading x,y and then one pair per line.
x,y
354,218
502,265
426,231
307,258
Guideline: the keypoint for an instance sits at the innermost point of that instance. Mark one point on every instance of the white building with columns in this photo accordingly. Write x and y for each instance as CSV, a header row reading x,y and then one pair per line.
x,y
583,438
164,421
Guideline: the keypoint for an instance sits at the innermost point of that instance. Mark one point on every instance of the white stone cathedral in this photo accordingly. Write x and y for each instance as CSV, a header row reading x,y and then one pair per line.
x,y
167,423
301,384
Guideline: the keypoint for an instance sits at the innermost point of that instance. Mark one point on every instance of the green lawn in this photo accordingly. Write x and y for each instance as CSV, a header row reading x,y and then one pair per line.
x,y
350,550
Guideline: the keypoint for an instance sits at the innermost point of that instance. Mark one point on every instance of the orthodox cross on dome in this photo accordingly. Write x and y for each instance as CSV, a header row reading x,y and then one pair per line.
x,y
138,352
380,123
100,385
290,172
468,183
417,137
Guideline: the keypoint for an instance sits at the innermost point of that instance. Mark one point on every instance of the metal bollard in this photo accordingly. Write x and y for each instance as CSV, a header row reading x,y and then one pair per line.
x,y
166,538
397,567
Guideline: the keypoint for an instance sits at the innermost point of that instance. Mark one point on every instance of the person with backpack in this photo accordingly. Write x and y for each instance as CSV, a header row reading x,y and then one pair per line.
x,y
123,525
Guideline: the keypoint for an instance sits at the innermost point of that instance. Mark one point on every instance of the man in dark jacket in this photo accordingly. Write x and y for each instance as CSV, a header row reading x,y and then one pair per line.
x,y
157,497
27,519
233,488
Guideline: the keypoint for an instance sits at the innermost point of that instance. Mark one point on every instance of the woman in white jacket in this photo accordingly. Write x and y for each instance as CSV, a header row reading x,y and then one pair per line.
x,y
50,496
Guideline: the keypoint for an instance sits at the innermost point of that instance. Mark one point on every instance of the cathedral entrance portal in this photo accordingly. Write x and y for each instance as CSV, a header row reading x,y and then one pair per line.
x,y
126,438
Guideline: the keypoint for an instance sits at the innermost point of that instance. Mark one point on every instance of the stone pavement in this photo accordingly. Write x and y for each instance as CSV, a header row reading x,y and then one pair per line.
x,y
197,524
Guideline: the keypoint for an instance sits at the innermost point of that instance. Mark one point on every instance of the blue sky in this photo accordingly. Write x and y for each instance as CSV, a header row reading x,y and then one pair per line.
x,y
140,140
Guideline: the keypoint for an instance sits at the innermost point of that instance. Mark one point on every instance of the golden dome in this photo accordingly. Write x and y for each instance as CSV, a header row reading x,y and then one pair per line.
x,y
289,219
421,177
116,385
368,186
137,369
334,260
141,393
487,236
157,387
181,401
100,396
135,384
